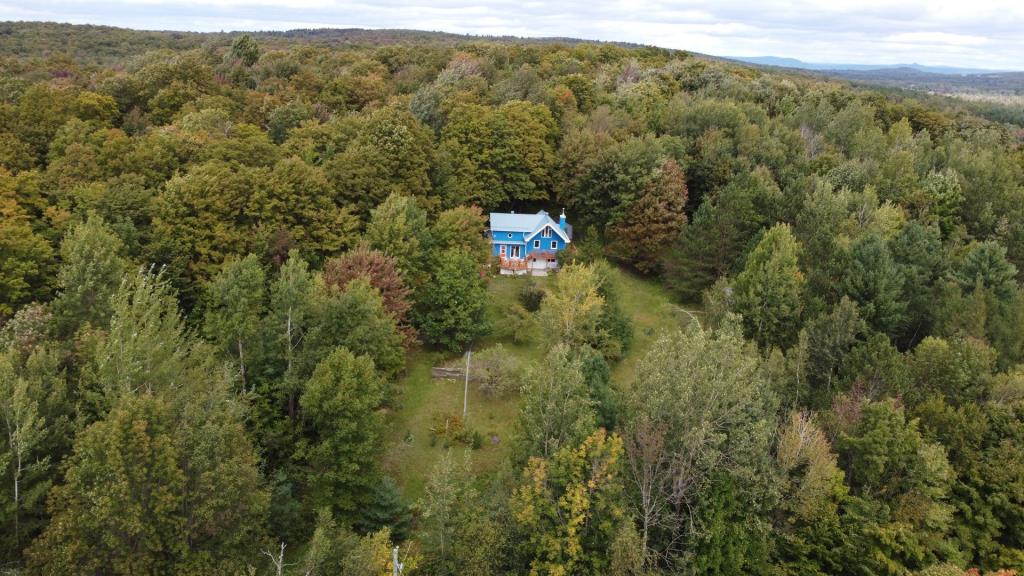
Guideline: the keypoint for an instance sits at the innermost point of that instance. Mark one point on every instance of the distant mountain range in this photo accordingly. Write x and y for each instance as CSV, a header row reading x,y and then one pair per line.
x,y
831,66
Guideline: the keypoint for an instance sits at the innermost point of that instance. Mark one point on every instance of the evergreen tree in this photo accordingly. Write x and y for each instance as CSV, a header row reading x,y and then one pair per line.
x,y
875,282
653,222
768,291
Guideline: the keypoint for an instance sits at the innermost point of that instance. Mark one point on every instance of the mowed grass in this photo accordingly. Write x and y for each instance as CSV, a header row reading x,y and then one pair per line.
x,y
410,455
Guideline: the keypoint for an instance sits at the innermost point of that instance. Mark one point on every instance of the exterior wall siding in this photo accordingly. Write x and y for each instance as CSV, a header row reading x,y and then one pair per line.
x,y
499,238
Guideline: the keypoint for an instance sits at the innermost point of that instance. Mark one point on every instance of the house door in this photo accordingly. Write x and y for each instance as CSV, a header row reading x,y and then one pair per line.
x,y
513,251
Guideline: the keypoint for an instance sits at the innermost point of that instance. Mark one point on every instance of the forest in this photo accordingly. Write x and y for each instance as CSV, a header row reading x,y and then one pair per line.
x,y
224,257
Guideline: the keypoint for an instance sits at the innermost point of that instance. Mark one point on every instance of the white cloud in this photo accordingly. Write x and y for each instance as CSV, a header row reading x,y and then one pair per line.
x,y
980,33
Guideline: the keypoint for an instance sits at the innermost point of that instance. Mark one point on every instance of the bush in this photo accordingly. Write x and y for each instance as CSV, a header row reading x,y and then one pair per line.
x,y
451,429
516,323
531,295
495,370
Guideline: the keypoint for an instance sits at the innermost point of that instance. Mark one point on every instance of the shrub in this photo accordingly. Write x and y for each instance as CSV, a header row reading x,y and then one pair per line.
x,y
495,369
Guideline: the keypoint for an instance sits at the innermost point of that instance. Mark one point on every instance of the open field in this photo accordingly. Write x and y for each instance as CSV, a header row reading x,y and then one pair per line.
x,y
411,455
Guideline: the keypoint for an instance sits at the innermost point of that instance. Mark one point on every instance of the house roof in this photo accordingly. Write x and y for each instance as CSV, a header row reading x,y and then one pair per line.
x,y
528,223
519,222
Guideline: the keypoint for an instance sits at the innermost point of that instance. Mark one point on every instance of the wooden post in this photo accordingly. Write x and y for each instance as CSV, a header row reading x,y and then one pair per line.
x,y
465,389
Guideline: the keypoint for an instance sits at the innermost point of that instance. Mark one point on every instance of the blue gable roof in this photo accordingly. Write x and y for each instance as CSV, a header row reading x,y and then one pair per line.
x,y
526,224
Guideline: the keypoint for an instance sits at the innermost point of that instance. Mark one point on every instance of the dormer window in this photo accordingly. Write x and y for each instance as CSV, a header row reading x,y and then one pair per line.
x,y
546,233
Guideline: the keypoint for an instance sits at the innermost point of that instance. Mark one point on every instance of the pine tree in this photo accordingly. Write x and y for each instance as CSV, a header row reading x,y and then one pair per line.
x,y
769,290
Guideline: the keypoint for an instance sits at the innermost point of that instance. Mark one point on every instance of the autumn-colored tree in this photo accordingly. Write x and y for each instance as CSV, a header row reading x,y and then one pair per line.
x,y
568,506
25,256
654,221
381,271
492,156
462,228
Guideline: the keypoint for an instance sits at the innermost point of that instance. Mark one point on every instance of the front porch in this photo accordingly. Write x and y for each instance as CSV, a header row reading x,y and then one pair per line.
x,y
535,264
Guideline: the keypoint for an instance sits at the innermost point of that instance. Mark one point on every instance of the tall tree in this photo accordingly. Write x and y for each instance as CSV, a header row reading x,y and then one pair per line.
x,y
25,433
355,319
986,264
875,282
568,506
768,291
343,426
381,271
808,530
679,432
24,255
289,318
571,310
236,305
653,222
492,156
452,313
92,269
557,410
399,229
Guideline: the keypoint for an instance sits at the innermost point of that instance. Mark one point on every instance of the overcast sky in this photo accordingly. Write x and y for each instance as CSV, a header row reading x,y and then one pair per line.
x,y
971,33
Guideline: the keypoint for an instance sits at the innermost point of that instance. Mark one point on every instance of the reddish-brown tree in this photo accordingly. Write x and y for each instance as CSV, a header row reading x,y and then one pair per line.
x,y
381,271
653,223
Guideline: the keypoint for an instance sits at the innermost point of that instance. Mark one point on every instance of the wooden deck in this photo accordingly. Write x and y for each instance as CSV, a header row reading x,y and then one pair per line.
x,y
514,264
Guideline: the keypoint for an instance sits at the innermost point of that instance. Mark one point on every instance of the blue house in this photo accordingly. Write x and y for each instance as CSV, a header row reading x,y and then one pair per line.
x,y
528,242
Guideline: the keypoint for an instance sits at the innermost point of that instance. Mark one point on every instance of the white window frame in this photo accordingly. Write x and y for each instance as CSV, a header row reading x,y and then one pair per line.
x,y
546,232
502,250
554,244
518,252
536,243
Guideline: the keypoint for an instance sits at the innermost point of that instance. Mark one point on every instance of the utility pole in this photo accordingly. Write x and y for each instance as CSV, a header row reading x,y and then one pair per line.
x,y
396,567
465,389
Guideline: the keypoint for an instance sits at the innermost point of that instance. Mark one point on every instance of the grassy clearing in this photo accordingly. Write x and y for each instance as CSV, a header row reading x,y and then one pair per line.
x,y
653,312
410,456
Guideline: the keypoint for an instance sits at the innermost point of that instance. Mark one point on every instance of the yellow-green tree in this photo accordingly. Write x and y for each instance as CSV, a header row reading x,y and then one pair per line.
x,y
568,507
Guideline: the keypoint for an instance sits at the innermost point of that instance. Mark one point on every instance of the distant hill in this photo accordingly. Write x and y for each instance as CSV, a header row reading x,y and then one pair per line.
x,y
831,66
102,44
998,86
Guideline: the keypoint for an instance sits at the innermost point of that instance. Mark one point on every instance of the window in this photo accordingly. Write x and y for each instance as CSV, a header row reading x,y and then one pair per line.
x,y
509,234
501,250
547,232
554,244
536,243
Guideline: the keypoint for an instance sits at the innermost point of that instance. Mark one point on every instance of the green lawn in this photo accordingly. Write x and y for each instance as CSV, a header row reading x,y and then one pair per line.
x,y
410,455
